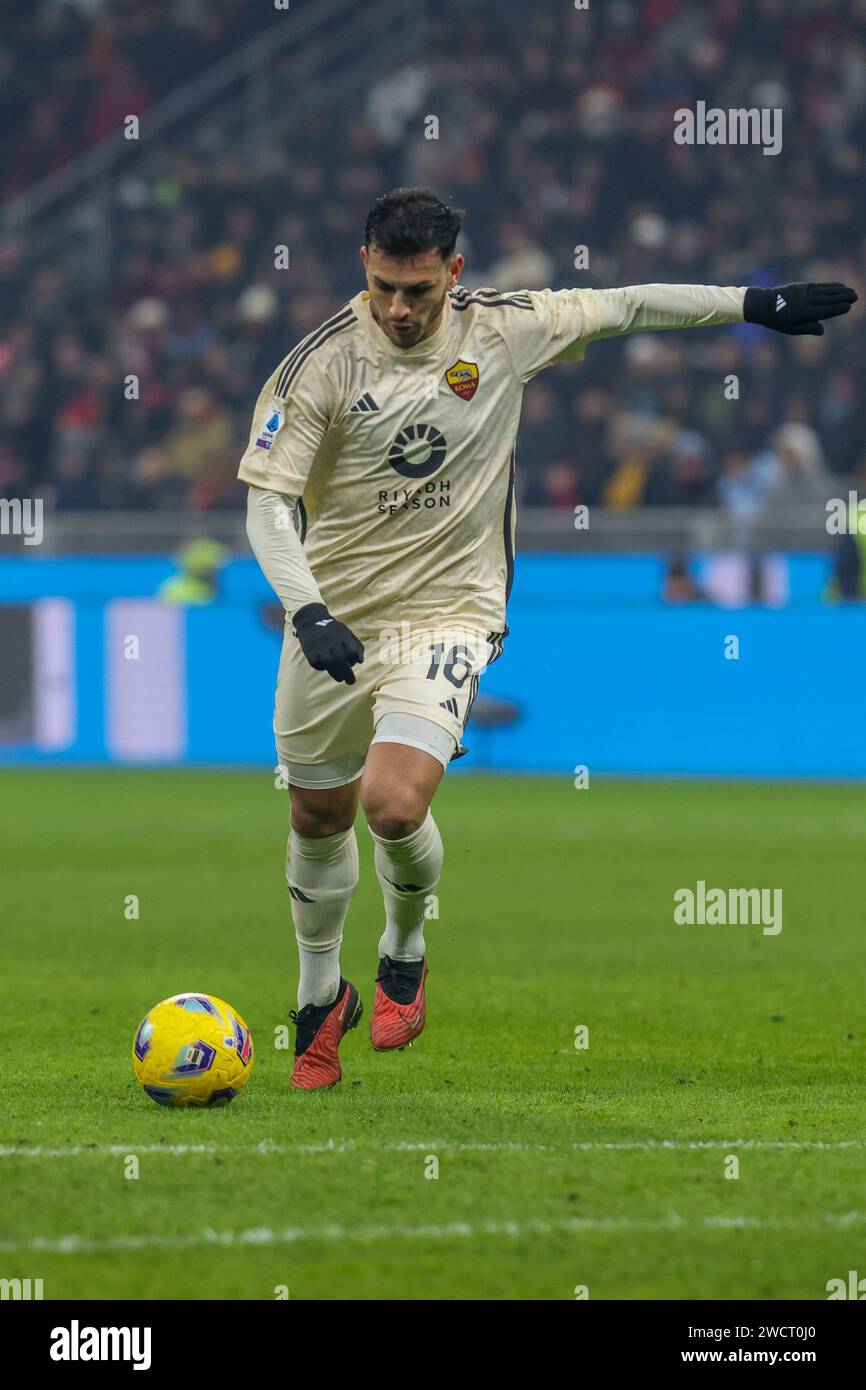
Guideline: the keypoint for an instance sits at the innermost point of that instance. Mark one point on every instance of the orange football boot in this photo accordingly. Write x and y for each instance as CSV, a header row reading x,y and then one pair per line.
x,y
399,1009
321,1028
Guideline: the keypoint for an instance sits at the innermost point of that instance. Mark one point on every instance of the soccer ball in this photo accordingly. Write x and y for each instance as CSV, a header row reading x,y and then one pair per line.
x,y
192,1049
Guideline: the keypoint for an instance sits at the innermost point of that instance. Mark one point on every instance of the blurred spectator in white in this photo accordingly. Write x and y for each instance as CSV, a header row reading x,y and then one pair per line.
x,y
801,477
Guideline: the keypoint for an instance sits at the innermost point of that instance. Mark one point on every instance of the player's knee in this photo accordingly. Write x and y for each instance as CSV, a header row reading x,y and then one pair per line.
x,y
395,814
314,820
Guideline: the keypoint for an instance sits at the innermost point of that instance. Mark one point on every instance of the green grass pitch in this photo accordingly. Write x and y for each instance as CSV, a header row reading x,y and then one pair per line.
x,y
557,1167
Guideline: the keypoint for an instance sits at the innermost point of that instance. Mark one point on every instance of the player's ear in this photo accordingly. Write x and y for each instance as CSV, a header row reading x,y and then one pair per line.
x,y
455,268
364,257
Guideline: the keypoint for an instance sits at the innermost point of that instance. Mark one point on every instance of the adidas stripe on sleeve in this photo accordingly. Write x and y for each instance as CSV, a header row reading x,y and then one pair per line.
x,y
293,413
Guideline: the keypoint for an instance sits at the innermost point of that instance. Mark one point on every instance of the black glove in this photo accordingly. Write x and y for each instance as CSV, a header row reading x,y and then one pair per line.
x,y
327,643
797,308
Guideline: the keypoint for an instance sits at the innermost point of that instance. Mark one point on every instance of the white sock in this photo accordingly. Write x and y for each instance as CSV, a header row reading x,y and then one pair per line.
x,y
408,872
322,876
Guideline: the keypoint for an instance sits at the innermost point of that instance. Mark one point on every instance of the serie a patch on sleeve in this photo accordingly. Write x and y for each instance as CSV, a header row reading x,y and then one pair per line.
x,y
269,430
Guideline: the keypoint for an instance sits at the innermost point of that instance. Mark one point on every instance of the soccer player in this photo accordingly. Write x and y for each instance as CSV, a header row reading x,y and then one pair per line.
x,y
381,509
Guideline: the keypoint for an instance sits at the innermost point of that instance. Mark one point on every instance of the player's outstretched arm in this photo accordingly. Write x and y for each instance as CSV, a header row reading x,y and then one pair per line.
x,y
788,308
542,327
327,643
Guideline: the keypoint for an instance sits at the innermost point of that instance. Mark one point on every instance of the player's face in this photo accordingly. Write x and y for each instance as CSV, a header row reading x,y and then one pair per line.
x,y
407,296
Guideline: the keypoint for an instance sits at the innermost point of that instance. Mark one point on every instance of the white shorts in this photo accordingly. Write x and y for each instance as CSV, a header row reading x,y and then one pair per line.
x,y
415,690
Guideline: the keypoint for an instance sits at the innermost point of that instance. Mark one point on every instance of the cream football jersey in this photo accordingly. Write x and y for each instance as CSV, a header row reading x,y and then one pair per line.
x,y
403,458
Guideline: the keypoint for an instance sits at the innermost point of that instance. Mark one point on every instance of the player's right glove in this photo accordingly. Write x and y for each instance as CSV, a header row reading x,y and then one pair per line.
x,y
797,309
327,643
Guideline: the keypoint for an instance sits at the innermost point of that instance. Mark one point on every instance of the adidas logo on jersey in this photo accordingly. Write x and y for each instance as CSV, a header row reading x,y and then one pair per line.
x,y
780,303
364,406
450,705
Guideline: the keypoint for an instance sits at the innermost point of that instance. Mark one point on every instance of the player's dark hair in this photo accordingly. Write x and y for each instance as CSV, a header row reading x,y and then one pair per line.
x,y
409,221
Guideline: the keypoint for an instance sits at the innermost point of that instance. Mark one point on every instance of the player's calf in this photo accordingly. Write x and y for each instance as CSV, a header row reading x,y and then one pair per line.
x,y
408,872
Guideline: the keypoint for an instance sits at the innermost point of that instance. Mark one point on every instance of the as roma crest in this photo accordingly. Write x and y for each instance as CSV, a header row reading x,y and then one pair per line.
x,y
463,379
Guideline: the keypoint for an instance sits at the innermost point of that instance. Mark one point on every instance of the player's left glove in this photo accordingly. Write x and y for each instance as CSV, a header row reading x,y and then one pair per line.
x,y
327,643
797,309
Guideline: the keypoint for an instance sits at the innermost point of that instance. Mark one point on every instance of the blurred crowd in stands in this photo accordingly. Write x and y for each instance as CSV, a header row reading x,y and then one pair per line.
x,y
555,130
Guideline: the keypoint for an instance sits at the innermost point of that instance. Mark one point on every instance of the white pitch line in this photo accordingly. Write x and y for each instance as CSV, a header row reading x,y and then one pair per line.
x,y
341,1146
365,1235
